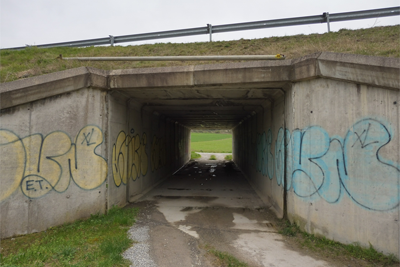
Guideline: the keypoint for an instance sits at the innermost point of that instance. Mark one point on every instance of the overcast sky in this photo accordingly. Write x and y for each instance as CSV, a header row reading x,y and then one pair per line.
x,y
34,22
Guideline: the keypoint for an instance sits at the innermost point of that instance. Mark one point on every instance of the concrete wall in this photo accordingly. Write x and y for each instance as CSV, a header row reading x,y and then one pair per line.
x,y
78,153
52,162
343,168
338,125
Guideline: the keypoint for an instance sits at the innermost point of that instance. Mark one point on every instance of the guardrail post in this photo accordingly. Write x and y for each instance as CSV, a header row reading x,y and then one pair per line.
x,y
111,40
326,18
209,27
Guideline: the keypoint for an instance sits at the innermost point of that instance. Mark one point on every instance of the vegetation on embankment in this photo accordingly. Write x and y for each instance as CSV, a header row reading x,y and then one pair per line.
x,y
211,142
97,241
377,41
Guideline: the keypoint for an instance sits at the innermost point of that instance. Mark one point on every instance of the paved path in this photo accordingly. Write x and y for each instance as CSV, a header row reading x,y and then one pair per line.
x,y
210,203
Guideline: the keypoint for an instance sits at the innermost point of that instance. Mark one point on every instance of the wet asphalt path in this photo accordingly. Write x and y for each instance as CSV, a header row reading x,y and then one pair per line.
x,y
210,204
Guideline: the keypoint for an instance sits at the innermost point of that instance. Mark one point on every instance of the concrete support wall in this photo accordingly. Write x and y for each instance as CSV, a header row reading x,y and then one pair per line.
x,y
65,157
343,170
339,143
52,162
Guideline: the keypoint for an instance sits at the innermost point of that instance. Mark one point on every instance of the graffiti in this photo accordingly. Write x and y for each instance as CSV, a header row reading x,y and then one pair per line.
x,y
327,167
265,159
39,164
129,158
280,145
158,156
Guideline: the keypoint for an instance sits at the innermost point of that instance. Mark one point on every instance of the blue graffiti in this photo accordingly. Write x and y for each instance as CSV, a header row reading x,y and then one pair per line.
x,y
265,158
320,166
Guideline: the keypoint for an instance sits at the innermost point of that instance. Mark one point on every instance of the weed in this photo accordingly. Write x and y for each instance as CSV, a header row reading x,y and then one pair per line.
x,y
225,259
322,244
228,157
194,155
213,157
289,229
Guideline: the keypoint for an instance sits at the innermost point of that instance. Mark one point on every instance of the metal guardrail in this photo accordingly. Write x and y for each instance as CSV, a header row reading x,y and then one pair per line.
x,y
210,29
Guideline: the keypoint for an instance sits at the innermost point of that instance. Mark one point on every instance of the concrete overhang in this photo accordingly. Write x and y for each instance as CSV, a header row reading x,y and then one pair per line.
x,y
208,96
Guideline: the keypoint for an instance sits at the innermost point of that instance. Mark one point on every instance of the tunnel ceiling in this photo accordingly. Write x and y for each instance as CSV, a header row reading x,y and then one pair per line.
x,y
211,108
209,97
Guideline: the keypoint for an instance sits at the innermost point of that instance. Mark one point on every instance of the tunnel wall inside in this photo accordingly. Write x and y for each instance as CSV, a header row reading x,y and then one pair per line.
x,y
78,153
334,159
144,149
254,142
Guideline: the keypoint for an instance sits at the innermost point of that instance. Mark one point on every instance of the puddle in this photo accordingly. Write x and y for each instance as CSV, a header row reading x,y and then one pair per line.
x,y
174,213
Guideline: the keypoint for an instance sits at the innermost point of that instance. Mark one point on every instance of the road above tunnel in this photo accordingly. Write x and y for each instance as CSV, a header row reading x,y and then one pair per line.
x,y
210,204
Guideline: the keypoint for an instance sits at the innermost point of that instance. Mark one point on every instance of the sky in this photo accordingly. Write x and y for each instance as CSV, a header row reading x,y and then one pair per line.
x,y
34,22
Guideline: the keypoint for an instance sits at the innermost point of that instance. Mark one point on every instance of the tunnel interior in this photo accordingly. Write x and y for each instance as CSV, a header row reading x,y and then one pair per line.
x,y
248,99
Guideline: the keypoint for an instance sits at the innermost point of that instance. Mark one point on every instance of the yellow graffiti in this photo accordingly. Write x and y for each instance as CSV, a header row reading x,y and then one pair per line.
x,y
42,164
158,157
129,158
12,159
88,178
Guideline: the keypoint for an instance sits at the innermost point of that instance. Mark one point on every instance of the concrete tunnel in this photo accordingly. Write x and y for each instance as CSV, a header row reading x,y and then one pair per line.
x,y
316,137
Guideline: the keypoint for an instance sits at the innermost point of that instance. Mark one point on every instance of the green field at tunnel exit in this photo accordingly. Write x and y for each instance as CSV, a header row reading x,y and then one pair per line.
x,y
211,142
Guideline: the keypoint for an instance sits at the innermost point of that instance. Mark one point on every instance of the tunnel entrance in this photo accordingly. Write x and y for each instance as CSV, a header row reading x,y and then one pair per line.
x,y
247,99
315,137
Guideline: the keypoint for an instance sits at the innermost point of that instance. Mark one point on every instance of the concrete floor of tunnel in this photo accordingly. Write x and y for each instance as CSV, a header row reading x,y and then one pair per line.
x,y
210,203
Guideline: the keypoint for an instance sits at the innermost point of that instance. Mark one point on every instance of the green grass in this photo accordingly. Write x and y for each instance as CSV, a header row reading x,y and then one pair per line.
x,y
322,244
213,157
194,155
97,241
228,157
225,259
203,137
211,142
217,146
378,41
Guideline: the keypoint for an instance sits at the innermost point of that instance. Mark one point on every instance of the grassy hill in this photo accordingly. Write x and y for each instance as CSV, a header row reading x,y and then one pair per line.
x,y
377,41
211,142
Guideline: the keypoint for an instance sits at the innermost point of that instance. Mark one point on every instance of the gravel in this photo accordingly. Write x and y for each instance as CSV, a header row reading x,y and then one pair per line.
x,y
139,253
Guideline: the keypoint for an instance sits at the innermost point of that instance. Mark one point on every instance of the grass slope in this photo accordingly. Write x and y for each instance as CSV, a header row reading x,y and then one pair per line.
x,y
217,146
201,137
211,142
97,241
378,41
